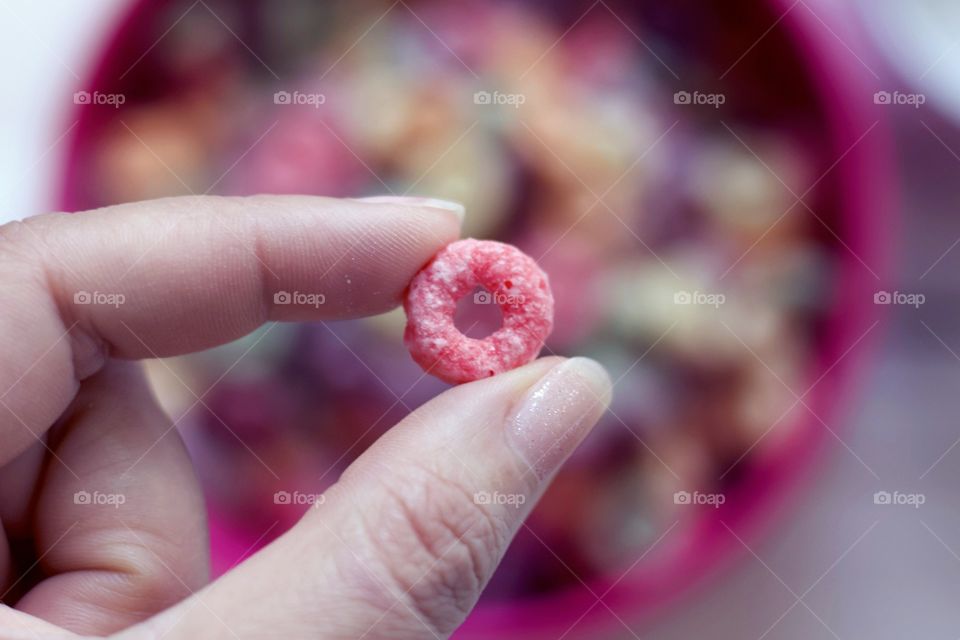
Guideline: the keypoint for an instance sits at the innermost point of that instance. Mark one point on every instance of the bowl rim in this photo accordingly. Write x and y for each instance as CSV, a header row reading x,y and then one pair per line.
x,y
867,196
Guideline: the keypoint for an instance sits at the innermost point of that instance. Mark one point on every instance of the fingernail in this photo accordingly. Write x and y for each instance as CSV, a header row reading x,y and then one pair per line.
x,y
557,412
434,203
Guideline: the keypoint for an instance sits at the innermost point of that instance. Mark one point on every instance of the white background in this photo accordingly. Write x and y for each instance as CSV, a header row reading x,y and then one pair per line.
x,y
46,47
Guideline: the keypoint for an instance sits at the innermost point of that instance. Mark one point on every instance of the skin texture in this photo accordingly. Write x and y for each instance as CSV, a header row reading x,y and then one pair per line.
x,y
398,549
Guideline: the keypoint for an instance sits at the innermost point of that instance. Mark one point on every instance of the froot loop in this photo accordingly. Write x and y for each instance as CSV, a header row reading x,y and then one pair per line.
x,y
509,276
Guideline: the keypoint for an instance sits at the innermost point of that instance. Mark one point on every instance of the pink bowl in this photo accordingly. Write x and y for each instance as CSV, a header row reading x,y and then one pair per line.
x,y
864,192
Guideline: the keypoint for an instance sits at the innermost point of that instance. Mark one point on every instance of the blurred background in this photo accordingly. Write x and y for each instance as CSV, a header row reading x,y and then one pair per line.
x,y
745,209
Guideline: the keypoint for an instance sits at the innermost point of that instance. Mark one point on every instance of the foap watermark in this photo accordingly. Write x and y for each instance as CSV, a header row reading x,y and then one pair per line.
x,y
899,98
699,297
900,298
296,498
97,98
897,498
499,298
699,498
99,499
299,298
99,298
299,98
699,98
498,98
511,499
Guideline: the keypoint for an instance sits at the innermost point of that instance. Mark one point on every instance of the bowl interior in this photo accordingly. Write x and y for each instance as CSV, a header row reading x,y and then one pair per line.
x,y
674,170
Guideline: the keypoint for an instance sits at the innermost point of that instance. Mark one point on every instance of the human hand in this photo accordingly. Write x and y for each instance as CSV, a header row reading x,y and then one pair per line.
x,y
400,548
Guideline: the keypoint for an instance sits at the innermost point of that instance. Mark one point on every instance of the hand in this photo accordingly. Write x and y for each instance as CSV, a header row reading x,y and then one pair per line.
x,y
401,546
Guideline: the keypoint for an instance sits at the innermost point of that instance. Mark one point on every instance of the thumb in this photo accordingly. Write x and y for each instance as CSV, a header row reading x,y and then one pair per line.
x,y
404,543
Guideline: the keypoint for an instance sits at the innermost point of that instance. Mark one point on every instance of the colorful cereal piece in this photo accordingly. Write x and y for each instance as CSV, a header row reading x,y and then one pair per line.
x,y
512,280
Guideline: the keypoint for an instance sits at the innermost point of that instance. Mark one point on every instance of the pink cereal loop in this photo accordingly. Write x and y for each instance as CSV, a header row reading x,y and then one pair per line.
x,y
516,284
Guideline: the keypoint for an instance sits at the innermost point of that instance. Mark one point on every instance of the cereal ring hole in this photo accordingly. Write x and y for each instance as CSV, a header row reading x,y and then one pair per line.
x,y
477,316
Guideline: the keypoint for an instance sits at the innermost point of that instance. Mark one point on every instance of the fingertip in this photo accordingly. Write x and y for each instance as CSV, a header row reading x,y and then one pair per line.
x,y
557,412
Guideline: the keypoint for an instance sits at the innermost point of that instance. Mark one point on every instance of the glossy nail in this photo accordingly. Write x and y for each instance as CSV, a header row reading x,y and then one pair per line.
x,y
558,412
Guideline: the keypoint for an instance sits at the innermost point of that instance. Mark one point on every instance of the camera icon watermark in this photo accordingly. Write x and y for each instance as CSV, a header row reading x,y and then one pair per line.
x,y
298,498
297,98
99,298
897,498
495,497
115,100
899,98
499,298
685,498
699,98
299,298
699,298
514,100
99,499
899,298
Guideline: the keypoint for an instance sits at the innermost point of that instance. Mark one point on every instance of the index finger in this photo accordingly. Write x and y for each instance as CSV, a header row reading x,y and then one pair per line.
x,y
172,276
